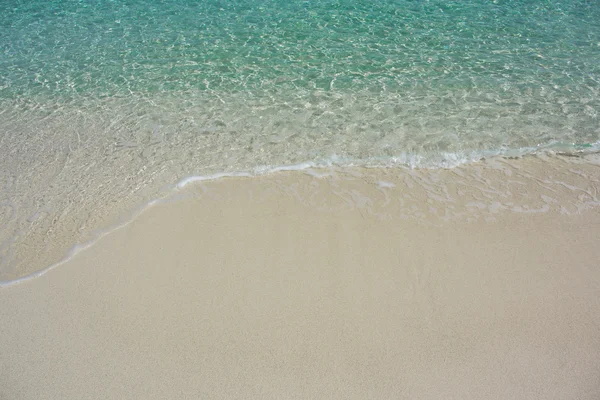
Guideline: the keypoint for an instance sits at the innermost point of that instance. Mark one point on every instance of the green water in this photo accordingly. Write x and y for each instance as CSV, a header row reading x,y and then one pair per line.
x,y
111,48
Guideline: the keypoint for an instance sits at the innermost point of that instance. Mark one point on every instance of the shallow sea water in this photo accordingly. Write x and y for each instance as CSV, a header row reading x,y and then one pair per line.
x,y
106,105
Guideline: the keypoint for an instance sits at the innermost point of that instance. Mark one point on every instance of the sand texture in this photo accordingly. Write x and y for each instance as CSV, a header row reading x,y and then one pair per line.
x,y
481,282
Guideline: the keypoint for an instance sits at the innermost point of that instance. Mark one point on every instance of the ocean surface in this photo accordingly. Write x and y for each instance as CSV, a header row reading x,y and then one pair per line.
x,y
106,105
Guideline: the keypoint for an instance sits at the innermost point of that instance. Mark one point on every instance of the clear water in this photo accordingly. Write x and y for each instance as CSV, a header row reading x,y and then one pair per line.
x,y
103,104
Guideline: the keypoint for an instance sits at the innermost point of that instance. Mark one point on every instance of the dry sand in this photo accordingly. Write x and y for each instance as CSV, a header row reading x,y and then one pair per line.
x,y
477,283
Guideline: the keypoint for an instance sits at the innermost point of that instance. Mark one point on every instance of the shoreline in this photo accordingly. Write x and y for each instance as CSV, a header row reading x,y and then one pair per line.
x,y
354,284
308,168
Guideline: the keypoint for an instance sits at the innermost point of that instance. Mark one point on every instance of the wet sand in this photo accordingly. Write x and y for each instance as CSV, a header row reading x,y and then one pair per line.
x,y
475,283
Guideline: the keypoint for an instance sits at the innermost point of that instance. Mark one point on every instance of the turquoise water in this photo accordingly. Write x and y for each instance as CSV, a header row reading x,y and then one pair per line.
x,y
106,103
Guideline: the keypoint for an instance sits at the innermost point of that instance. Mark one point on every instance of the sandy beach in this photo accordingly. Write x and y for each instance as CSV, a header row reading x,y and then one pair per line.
x,y
480,282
